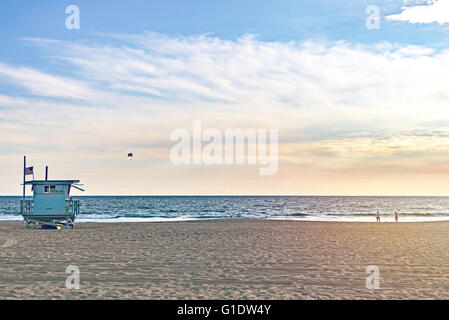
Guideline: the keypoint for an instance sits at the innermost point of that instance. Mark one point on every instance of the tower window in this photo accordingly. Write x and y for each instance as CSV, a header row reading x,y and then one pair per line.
x,y
50,189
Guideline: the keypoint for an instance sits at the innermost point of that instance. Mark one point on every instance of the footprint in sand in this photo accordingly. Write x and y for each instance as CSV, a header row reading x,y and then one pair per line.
x,y
6,241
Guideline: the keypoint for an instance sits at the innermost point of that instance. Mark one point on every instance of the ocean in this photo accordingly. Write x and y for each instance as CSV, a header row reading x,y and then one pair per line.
x,y
184,208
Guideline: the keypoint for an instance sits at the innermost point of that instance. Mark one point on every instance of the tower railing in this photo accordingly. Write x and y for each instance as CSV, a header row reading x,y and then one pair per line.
x,y
26,207
72,207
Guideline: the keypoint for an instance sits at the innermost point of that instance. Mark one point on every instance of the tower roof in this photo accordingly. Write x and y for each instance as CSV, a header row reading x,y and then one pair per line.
x,y
40,182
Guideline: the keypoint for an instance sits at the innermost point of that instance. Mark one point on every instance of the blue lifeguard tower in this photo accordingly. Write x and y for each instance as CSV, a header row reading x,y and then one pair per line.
x,y
52,205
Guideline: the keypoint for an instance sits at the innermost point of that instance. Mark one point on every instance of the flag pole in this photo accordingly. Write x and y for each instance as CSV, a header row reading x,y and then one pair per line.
x,y
24,166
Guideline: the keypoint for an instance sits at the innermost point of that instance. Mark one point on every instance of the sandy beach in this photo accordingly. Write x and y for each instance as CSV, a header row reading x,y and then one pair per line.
x,y
226,259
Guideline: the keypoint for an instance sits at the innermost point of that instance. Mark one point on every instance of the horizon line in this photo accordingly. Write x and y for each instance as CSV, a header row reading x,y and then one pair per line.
x,y
237,195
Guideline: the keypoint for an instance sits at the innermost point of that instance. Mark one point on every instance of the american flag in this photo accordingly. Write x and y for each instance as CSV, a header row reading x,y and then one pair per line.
x,y
29,170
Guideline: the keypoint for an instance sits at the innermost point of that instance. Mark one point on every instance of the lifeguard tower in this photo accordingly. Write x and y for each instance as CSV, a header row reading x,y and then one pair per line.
x,y
52,205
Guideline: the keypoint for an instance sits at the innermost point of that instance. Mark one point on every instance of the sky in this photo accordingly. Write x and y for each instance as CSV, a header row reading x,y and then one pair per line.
x,y
359,110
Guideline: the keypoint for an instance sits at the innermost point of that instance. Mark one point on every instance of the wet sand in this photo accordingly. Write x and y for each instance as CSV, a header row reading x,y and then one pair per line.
x,y
226,259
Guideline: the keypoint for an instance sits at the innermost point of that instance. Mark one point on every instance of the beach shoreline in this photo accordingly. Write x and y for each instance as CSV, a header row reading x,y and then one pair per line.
x,y
226,259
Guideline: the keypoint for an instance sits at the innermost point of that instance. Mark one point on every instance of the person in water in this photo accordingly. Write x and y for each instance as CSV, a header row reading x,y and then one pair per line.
x,y
396,216
377,217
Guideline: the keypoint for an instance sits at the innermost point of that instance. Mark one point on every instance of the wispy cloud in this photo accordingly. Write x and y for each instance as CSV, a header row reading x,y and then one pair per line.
x,y
436,11
337,105
42,84
208,73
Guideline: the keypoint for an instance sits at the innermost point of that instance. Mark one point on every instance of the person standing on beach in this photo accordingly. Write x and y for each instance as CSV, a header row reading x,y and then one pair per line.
x,y
377,217
396,216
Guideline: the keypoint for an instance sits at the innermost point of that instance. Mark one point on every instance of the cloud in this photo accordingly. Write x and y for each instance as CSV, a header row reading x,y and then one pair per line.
x,y
203,75
432,11
244,75
245,82
338,106
42,84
